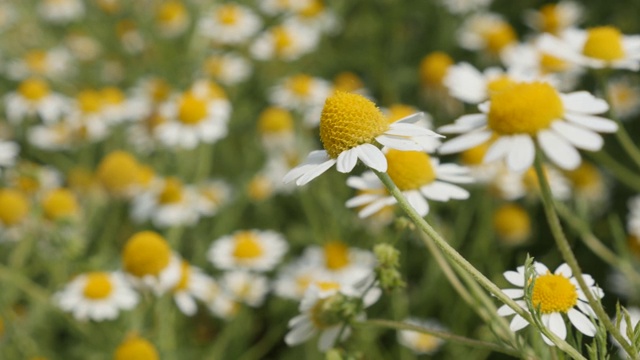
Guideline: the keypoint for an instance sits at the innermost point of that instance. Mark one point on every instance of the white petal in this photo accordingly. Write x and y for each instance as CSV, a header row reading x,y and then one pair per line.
x,y
583,102
559,150
578,136
399,143
515,278
372,157
586,308
410,130
556,325
596,123
299,334
522,153
315,172
505,310
418,203
464,142
465,123
314,158
375,206
517,323
564,270
347,160
499,149
581,322
361,200
513,293
328,338
442,191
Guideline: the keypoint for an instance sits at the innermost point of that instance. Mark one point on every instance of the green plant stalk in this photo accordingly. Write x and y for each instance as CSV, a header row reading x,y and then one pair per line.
x,y
624,175
569,257
454,256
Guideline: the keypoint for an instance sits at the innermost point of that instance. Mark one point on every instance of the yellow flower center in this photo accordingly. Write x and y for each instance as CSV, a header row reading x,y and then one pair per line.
x,y
300,84
554,293
112,96
604,43
426,343
524,108
89,101
170,12
336,255
136,348
499,36
275,120
28,183
552,64
98,286
399,111
410,170
118,171
550,19
228,14
171,192
586,176
13,207
347,81
247,246
282,39
159,90
146,253
349,120
499,84
191,109
313,9
433,68
327,285
59,204
512,223
259,188
475,155
33,89
185,276
36,61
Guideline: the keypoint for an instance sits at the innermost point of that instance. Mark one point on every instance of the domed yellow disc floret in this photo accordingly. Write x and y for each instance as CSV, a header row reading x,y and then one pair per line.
x,y
146,253
524,108
191,109
433,68
171,192
247,246
98,286
33,89
282,39
604,43
349,120
59,204
410,170
89,101
336,255
554,293
498,36
13,207
512,223
118,171
136,348
275,120
552,64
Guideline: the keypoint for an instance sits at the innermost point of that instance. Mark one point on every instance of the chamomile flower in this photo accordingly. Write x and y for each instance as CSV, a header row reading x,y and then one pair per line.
x,y
396,112
294,278
556,295
83,47
172,18
130,36
97,296
248,249
624,98
510,185
288,42
194,285
120,174
512,224
318,17
150,262
522,112
212,195
197,115
268,181
168,203
61,11
135,347
34,97
228,68
230,23
349,124
421,343
554,18
348,81
53,63
60,204
488,32
14,212
279,7
341,262
481,172
434,68
598,47
418,176
33,179
245,287
276,129
8,15
300,92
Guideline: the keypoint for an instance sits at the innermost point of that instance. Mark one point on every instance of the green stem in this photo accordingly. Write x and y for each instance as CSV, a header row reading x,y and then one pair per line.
x,y
568,256
627,144
624,175
442,335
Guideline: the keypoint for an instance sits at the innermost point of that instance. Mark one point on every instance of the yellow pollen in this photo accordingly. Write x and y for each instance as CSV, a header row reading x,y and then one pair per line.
x,y
228,14
136,348
13,207
118,171
399,111
410,170
98,286
191,109
315,8
170,12
554,293
171,192
275,120
36,61
550,19
33,89
499,36
604,43
349,120
499,84
146,253
247,246
524,108
433,68
475,155
282,39
336,255
90,101
112,96
512,223
347,81
185,275
59,204
300,84
552,64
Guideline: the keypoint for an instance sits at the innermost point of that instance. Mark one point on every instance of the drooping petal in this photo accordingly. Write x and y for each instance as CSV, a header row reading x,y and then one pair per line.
x,y
399,143
595,123
518,323
578,136
556,325
314,158
581,322
360,200
315,172
347,160
465,141
376,206
558,150
514,293
328,338
499,149
514,278
372,157
442,191
522,153
418,203
583,102
465,123
505,310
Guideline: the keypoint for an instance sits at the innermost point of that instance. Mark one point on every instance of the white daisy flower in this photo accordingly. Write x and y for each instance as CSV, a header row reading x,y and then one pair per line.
x,y
268,181
349,124
130,37
228,69
461,7
276,129
421,343
417,175
249,249
555,294
172,19
300,92
511,185
34,97
554,18
294,278
222,305
150,262
345,264
396,112
61,11
198,115
230,23
168,203
598,47
194,285
14,214
486,31
287,42
245,287
212,195
624,98
523,112
97,296
633,220
318,17
83,47
51,63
